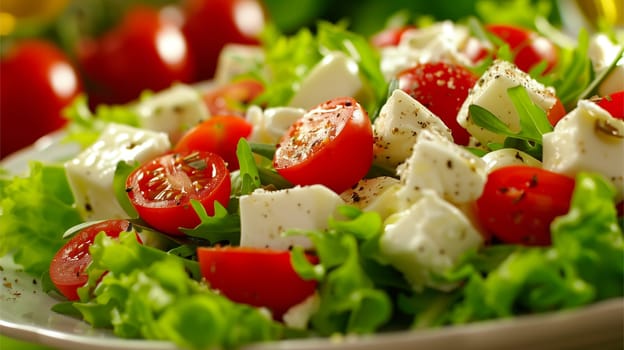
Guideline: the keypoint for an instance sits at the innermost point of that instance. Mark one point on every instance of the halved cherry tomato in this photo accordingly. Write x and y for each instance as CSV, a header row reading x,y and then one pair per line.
x,y
332,145
67,268
145,51
614,104
219,134
161,190
556,112
442,88
528,47
233,98
257,277
37,81
519,203
389,36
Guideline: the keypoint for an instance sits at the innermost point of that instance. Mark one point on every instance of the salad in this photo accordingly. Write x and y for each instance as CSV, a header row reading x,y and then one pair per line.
x,y
325,184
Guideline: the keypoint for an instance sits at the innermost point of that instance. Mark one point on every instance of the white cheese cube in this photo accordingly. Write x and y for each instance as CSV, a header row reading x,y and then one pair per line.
x,y
172,111
427,239
587,139
441,41
237,59
376,194
602,52
271,124
508,156
343,75
490,92
400,120
299,315
90,174
265,215
440,165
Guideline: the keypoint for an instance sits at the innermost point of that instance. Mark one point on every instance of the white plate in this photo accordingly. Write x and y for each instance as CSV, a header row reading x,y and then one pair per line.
x,y
25,313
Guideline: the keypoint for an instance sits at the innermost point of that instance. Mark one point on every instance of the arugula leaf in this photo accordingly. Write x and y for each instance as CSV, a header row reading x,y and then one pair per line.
x,y
35,211
220,227
248,170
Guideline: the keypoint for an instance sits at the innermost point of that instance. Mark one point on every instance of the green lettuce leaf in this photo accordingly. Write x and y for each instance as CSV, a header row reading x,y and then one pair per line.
x,y
35,211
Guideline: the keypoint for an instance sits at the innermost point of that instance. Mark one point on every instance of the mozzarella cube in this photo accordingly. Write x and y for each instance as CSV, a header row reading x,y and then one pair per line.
x,y
375,194
427,239
508,156
490,92
441,41
602,52
271,124
298,316
587,139
339,69
237,59
440,165
400,121
172,111
265,215
90,174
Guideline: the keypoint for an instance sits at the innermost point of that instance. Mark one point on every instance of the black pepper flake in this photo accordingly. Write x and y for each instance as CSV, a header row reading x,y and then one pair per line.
x,y
533,181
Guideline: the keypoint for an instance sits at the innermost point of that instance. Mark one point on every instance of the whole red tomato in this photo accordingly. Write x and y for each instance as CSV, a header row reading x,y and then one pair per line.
x,y
145,51
37,81
210,24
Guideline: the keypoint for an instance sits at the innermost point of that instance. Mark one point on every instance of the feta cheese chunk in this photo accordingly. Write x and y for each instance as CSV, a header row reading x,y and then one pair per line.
x,y
400,120
299,315
508,156
375,194
271,124
265,215
490,92
172,111
442,41
587,139
441,166
602,52
339,69
427,239
90,174
237,59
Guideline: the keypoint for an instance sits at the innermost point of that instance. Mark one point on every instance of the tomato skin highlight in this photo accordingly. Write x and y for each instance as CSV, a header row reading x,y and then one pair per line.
x,y
161,190
519,203
332,145
614,104
219,134
442,88
37,81
529,47
145,51
257,277
67,268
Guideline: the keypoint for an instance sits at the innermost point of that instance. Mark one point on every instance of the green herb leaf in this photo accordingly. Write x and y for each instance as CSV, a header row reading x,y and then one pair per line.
x,y
221,227
122,171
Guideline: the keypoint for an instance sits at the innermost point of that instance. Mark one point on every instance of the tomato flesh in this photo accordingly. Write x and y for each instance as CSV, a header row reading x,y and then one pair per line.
x,y
519,203
257,277
162,189
442,88
67,268
332,145
614,104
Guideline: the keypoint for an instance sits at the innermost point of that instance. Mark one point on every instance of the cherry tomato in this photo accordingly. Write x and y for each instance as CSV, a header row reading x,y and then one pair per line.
x,y
37,81
389,36
528,47
161,190
442,88
614,104
257,277
210,24
332,145
233,98
145,51
475,50
519,203
219,134
556,112
67,268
